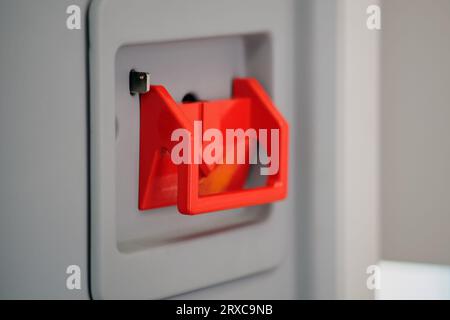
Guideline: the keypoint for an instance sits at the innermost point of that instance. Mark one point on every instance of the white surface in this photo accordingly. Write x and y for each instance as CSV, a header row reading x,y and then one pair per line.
x,y
357,149
338,131
402,280
128,269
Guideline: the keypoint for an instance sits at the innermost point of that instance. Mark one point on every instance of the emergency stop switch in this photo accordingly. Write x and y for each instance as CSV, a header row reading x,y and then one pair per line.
x,y
197,154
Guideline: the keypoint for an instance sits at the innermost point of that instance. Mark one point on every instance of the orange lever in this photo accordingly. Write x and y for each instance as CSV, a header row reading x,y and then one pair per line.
x,y
197,186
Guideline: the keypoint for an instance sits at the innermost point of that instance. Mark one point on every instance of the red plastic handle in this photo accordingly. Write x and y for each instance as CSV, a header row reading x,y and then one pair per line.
x,y
201,187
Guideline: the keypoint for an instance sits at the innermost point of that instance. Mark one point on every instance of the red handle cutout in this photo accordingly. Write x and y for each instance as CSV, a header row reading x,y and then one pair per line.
x,y
202,187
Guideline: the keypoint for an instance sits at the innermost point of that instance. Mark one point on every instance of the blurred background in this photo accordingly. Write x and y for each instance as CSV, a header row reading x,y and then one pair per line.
x,y
415,153
392,113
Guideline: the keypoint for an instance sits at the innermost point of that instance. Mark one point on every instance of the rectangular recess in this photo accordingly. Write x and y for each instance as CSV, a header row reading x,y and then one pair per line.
x,y
205,67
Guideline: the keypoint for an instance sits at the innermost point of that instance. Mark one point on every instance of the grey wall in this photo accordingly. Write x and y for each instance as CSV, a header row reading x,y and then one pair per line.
x,y
316,106
43,150
415,131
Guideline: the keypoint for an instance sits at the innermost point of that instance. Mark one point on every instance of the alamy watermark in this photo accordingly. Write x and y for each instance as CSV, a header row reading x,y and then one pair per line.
x,y
240,147
73,280
373,281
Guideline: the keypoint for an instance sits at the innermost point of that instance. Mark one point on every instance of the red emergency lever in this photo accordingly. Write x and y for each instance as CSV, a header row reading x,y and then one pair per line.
x,y
195,186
